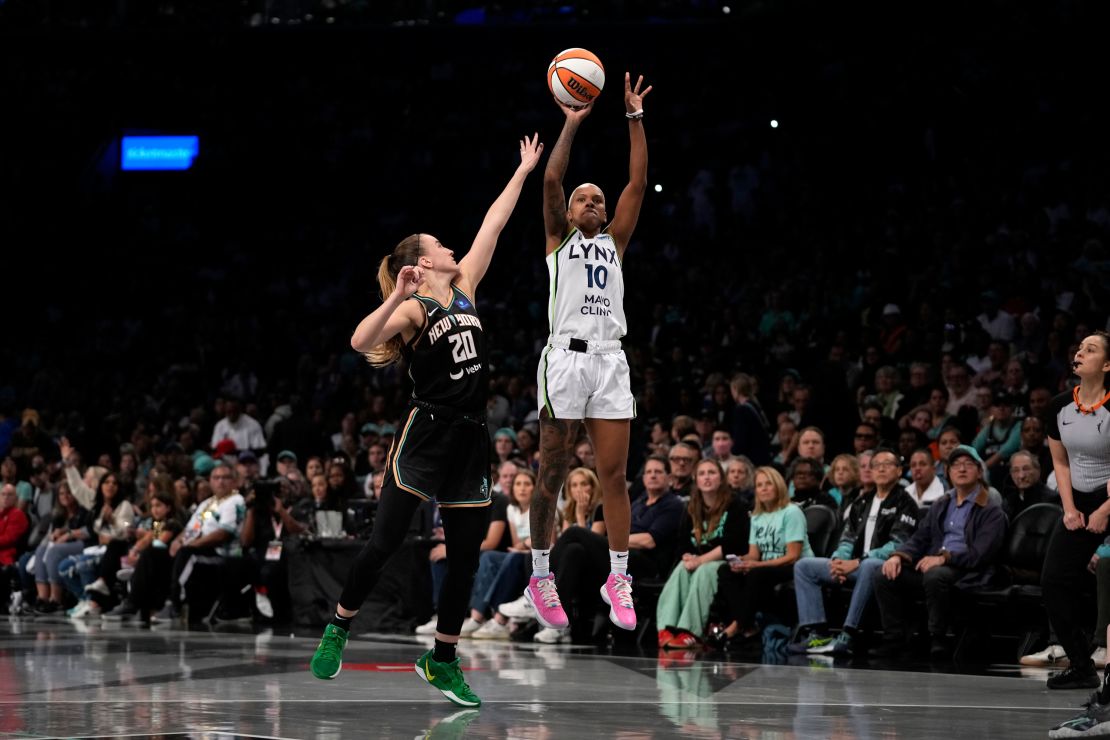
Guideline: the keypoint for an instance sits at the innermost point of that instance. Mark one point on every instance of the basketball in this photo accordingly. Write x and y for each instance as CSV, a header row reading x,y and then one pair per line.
x,y
575,77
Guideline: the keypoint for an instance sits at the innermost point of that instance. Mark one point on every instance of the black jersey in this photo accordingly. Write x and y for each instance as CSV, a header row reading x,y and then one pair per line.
x,y
447,358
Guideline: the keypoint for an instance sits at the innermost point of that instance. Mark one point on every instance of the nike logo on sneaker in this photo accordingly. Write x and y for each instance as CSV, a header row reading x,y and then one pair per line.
x,y
428,674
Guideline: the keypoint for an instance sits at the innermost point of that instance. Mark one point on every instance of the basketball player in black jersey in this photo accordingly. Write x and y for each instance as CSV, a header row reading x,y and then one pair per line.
x,y
442,451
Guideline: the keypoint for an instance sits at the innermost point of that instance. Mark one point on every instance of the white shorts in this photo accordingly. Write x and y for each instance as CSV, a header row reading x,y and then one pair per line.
x,y
593,384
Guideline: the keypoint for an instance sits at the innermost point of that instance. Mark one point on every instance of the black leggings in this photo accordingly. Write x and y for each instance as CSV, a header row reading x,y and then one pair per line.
x,y
1064,577
464,528
746,594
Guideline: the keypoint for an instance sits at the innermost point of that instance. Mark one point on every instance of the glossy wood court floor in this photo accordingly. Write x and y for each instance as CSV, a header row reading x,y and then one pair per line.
x,y
61,679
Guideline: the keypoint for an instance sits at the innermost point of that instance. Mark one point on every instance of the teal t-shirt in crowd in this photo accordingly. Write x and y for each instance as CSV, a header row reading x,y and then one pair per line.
x,y
772,530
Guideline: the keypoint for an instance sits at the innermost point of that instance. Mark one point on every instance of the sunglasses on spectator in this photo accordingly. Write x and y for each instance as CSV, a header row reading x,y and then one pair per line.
x,y
881,465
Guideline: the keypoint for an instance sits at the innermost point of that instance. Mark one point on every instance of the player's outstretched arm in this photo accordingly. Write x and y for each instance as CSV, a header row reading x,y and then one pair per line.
x,y
472,267
632,197
394,316
554,203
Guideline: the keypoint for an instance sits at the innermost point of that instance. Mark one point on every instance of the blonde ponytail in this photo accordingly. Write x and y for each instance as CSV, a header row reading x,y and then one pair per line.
x,y
405,253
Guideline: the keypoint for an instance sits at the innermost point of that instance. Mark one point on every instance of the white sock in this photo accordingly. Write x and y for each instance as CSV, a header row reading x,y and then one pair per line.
x,y
541,563
618,562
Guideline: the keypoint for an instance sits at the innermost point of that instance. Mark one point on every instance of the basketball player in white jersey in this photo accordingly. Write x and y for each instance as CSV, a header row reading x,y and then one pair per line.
x,y
583,375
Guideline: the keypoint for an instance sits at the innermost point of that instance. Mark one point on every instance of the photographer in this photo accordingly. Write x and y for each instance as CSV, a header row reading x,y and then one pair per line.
x,y
317,511
268,520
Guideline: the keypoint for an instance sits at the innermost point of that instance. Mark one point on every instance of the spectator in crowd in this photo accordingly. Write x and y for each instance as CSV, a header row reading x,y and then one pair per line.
x,y
1000,437
786,439
267,521
504,444
749,430
811,444
582,504
210,536
887,393
806,474
286,462
999,324
14,526
1039,400
1034,440
740,477
112,519
506,472
68,535
683,459
956,544
949,439
149,558
876,524
778,539
960,390
924,486
715,525
866,437
844,475
720,447
243,430
584,453
938,408
323,513
1024,487
29,440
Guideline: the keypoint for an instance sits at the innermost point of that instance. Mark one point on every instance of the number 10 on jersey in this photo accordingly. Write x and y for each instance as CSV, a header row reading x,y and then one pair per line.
x,y
596,277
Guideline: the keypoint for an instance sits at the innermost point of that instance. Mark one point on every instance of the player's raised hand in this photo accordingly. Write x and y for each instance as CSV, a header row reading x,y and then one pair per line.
x,y
530,151
633,96
575,114
409,280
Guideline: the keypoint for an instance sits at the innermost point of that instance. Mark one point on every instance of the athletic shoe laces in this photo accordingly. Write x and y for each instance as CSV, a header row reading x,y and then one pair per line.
x,y
329,645
623,587
547,591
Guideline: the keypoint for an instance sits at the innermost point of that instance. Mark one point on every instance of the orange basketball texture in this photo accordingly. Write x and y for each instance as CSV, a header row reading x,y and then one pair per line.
x,y
575,77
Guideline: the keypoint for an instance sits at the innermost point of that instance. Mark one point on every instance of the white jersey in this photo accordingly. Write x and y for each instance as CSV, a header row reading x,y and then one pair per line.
x,y
586,288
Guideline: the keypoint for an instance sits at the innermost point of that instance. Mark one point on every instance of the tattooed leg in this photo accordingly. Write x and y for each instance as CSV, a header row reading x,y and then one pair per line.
x,y
557,437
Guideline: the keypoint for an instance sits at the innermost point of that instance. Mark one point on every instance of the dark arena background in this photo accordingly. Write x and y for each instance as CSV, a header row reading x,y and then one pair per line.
x,y
865,226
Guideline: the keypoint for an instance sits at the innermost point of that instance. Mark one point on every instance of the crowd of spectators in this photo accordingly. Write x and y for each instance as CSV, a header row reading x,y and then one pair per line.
x,y
797,300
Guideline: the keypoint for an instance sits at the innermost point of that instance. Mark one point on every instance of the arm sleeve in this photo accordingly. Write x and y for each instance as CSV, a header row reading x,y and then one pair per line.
x,y
13,528
914,548
665,523
849,534
1052,418
84,495
980,441
122,518
794,525
230,514
1012,443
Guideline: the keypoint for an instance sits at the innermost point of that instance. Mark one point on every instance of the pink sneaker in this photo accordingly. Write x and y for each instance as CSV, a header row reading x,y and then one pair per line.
x,y
617,593
542,596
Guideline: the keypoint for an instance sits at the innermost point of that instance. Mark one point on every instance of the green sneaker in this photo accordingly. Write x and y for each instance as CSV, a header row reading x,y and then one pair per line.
x,y
328,660
812,643
448,678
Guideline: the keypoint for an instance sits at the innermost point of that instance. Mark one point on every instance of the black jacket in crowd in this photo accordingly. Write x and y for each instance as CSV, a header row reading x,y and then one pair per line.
x,y
896,523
